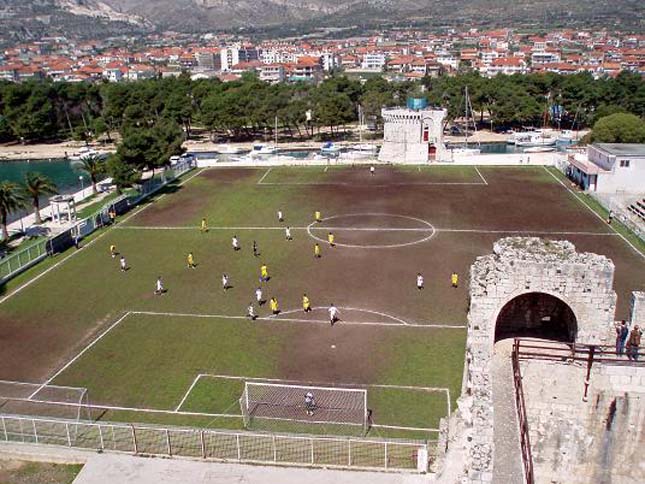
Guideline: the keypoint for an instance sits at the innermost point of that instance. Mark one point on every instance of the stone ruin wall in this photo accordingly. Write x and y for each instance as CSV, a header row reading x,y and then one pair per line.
x,y
518,266
577,442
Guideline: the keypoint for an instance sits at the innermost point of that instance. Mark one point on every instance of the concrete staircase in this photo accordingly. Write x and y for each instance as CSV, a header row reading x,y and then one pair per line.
x,y
638,209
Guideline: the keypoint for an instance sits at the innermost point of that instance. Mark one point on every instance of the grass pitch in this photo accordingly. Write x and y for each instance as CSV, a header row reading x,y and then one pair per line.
x,y
389,226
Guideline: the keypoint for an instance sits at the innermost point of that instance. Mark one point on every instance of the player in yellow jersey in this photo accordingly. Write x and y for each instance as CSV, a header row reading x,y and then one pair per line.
x,y
275,308
306,304
317,252
204,226
113,251
454,279
264,273
190,261
331,238
317,216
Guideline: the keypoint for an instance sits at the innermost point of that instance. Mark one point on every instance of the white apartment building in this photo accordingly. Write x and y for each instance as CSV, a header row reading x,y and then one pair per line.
x,y
272,73
373,62
230,56
488,56
278,56
544,57
447,59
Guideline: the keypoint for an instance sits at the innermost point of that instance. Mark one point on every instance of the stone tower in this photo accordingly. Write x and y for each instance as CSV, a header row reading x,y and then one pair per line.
x,y
412,135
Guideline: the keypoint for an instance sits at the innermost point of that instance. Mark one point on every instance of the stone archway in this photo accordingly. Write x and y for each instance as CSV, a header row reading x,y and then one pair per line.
x,y
536,315
528,285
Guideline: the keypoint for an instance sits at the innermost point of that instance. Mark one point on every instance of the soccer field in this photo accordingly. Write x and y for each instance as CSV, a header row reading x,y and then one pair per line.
x,y
183,357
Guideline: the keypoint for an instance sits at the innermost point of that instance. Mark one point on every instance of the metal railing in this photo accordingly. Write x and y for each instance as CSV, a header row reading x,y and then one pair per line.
x,y
525,442
15,263
313,451
22,259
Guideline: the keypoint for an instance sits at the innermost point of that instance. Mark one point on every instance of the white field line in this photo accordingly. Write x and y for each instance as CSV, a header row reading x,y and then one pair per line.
x,y
127,409
370,185
57,387
310,383
81,353
190,389
398,427
272,318
377,229
88,244
480,175
266,173
341,308
594,212
525,232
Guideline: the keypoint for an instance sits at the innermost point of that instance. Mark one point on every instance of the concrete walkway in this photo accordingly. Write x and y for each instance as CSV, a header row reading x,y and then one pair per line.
x,y
507,466
127,469
120,469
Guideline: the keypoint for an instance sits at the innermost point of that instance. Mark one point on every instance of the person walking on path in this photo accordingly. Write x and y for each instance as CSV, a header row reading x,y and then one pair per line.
x,y
633,343
622,332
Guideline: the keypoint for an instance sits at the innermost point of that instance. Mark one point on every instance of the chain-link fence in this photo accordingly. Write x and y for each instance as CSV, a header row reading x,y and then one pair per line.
x,y
349,453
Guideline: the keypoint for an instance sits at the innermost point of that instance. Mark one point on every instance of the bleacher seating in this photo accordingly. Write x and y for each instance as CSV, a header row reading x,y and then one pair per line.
x,y
638,208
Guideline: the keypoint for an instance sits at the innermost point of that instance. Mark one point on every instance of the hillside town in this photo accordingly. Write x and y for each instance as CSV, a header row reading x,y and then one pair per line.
x,y
398,54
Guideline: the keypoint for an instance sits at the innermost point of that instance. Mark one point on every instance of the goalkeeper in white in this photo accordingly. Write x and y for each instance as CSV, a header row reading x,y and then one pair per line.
x,y
310,403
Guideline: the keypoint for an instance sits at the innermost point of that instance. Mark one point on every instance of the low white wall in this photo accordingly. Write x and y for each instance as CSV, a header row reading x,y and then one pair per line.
x,y
540,159
515,159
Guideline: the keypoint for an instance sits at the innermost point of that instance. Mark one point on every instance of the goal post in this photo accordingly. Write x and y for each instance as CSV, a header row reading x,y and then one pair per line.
x,y
342,409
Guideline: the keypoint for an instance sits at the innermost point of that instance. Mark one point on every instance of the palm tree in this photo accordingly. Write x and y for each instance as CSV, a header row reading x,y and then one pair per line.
x,y
94,166
12,197
36,185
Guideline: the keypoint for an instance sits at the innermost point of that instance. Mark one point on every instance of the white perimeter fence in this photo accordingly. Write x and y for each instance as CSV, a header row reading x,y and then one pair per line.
x,y
347,453
15,263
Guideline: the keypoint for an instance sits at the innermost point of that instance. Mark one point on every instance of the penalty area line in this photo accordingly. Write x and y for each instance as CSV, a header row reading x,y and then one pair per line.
x,y
136,211
273,318
266,173
190,389
480,175
81,353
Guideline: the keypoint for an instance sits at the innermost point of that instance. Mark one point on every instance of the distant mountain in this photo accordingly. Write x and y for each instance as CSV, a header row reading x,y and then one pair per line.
x,y
199,15
24,19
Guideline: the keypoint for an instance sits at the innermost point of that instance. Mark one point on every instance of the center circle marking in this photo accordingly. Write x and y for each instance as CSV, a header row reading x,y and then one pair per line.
x,y
427,224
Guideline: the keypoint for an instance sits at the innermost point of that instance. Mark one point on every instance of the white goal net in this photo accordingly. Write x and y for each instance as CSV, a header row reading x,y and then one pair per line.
x,y
290,407
54,401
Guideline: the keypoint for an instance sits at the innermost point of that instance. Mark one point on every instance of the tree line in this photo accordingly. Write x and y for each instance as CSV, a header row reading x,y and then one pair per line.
x,y
162,108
